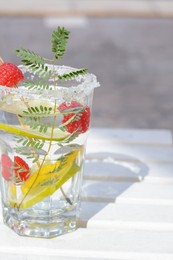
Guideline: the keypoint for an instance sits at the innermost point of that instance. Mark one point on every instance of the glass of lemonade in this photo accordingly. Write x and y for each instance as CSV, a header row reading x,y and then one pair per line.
x,y
43,135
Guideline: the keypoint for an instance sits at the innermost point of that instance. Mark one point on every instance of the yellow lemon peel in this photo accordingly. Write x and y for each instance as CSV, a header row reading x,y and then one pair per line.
x,y
46,181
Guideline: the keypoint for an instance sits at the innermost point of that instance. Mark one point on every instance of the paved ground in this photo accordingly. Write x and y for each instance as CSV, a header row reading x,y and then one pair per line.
x,y
132,57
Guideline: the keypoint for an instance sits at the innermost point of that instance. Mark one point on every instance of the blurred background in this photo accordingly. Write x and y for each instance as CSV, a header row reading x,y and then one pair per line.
x,y
128,44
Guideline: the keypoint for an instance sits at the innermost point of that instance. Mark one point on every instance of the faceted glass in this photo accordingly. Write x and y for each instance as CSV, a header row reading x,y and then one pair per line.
x,y
43,133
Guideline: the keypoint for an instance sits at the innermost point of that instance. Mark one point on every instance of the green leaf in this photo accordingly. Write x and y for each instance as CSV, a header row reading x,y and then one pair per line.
x,y
72,75
60,38
38,84
34,62
73,136
38,111
28,56
28,142
28,145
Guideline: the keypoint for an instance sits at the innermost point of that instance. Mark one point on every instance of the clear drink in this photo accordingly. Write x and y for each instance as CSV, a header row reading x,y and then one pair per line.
x,y
42,144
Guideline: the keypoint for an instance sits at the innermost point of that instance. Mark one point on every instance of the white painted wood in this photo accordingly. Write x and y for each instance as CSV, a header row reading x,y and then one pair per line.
x,y
93,243
130,136
103,191
111,169
114,170
130,153
134,216
127,208
128,192
9,256
129,145
147,193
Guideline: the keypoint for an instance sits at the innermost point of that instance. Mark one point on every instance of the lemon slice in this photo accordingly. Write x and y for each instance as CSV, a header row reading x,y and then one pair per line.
x,y
41,177
17,106
41,192
44,182
58,135
50,173
12,194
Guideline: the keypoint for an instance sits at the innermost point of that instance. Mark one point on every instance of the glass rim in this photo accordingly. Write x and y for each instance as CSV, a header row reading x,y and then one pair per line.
x,y
82,84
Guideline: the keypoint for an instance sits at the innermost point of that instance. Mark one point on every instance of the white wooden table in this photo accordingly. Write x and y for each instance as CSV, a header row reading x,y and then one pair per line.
x,y
127,210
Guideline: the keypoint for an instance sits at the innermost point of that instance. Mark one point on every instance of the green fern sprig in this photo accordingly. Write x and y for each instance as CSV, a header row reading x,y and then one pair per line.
x,y
37,64
73,136
37,111
72,110
34,62
59,41
76,116
33,143
26,152
27,55
36,123
38,84
27,146
72,75
32,117
62,127
63,161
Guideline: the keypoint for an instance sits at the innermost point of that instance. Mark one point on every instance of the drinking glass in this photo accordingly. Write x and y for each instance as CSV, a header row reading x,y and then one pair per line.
x,y
43,133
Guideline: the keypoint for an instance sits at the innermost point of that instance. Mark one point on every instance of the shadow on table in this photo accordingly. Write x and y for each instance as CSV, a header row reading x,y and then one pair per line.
x,y
107,176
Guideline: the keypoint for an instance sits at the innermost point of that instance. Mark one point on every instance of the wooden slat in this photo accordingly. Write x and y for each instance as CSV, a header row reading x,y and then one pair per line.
x,y
148,193
11,256
130,136
93,243
139,146
127,208
128,192
103,191
130,153
128,216
110,169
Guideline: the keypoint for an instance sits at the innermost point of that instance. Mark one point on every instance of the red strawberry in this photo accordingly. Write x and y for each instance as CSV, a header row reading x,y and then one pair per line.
x,y
10,74
21,169
6,165
82,121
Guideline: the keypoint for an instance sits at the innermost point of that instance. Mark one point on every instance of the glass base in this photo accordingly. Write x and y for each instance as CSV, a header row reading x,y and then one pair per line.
x,y
36,225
